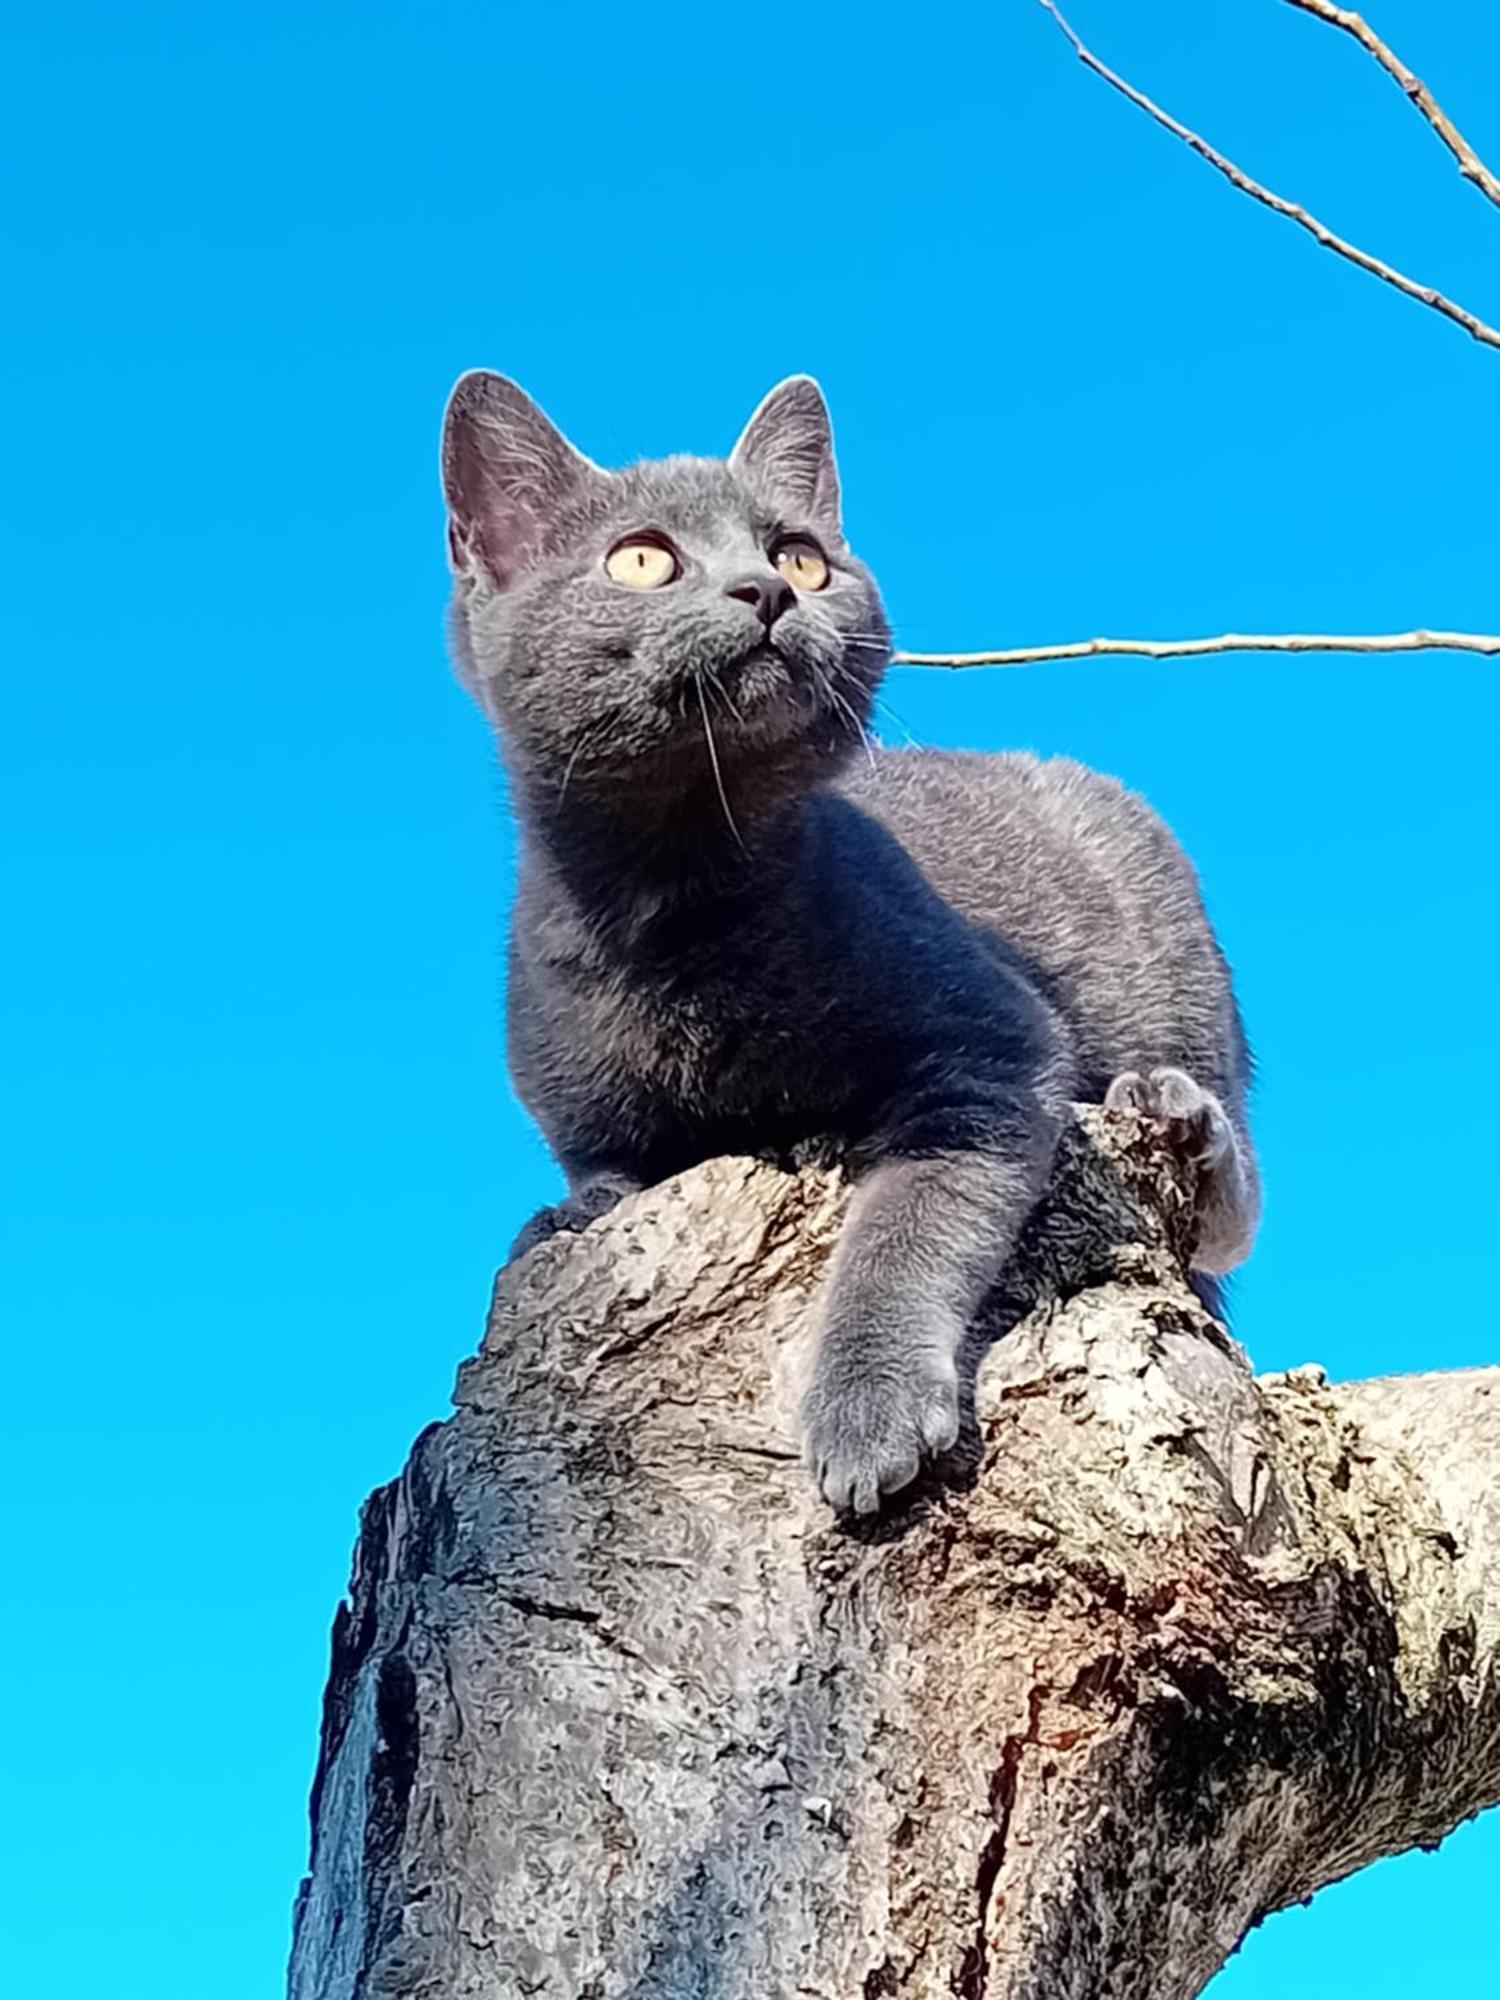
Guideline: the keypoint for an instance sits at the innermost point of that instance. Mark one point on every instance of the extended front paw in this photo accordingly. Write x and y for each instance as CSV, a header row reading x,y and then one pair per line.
x,y
1197,1125
871,1422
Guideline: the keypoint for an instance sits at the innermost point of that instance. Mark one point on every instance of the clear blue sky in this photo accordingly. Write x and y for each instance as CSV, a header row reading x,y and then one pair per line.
x,y
261,1156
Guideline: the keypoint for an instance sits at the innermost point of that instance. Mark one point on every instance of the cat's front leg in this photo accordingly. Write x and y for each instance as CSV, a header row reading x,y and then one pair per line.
x,y
924,1240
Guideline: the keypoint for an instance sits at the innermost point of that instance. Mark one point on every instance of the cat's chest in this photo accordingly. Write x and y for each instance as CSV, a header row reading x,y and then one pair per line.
x,y
754,1023
746,1036
691,1059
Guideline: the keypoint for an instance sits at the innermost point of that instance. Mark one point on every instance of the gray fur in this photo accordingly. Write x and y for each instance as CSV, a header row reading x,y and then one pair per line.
x,y
740,929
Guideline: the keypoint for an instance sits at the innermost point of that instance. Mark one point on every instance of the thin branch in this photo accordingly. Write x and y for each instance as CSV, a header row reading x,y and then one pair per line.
x,y
1226,642
1469,163
1424,294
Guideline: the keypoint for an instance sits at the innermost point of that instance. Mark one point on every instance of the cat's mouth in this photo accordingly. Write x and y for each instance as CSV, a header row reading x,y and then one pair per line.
x,y
763,690
762,653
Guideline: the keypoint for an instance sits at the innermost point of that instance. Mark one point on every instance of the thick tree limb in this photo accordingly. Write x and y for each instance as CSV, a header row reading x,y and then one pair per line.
x,y
1225,642
1426,295
616,1708
1469,163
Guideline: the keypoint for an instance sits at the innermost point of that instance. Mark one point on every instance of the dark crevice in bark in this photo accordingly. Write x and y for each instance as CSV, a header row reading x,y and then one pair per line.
x,y
431,1525
392,1773
971,1981
536,1607
354,1627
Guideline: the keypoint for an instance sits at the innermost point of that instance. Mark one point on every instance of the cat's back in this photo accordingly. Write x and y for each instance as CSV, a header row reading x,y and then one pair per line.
x,y
1079,875
1001,835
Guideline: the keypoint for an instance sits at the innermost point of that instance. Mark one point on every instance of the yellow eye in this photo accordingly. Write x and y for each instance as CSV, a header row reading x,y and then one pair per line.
x,y
801,562
641,564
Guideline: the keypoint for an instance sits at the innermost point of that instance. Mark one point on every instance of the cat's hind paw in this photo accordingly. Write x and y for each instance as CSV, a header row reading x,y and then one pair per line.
x,y
1197,1125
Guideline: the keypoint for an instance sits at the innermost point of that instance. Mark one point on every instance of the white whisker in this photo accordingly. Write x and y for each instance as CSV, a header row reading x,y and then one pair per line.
x,y
713,758
578,749
731,707
848,707
915,741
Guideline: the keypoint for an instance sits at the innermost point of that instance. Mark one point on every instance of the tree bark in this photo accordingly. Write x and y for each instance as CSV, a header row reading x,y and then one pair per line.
x,y
618,1709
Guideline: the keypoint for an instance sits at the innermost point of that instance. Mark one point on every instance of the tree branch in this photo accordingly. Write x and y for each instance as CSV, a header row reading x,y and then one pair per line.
x,y
1282,642
1226,642
617,1710
1469,163
1425,295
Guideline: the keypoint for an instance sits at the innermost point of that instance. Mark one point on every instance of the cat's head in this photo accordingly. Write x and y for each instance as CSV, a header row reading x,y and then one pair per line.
x,y
644,634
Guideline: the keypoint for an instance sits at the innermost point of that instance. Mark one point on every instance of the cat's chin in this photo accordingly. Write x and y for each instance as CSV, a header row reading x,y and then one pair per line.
x,y
756,720
769,730
767,698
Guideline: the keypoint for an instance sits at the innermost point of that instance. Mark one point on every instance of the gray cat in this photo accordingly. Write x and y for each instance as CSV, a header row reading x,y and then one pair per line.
x,y
740,930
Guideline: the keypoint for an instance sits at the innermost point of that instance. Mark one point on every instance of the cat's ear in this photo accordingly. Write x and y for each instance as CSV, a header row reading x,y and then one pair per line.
x,y
507,468
787,447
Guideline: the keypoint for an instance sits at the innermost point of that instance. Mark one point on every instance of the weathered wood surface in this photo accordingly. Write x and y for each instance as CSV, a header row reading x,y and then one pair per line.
x,y
618,1709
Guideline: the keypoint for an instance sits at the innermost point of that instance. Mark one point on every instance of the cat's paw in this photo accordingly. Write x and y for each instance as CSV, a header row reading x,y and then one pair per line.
x,y
583,1206
869,1428
1197,1125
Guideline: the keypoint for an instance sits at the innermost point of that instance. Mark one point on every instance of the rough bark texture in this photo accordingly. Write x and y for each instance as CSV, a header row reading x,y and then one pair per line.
x,y
617,1709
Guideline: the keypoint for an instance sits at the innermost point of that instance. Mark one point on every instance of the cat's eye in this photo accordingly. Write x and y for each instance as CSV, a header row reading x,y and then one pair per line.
x,y
642,562
801,562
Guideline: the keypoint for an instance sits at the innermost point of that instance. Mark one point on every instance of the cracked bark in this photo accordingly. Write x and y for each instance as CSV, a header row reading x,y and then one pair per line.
x,y
616,1709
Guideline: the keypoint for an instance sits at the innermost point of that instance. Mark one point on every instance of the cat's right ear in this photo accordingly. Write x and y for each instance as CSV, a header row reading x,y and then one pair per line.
x,y
507,468
788,447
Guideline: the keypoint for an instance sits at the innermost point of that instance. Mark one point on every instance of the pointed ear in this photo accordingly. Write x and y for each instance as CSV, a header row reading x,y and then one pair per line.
x,y
506,470
787,447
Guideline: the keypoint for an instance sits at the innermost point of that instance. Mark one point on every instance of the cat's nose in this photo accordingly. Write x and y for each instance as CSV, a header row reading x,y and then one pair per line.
x,y
768,596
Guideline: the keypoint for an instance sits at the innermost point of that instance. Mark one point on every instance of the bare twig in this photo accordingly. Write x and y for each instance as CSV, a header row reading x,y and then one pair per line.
x,y
1226,642
1469,163
1424,294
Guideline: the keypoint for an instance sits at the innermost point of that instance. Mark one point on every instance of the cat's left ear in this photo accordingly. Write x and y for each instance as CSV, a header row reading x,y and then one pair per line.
x,y
787,447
